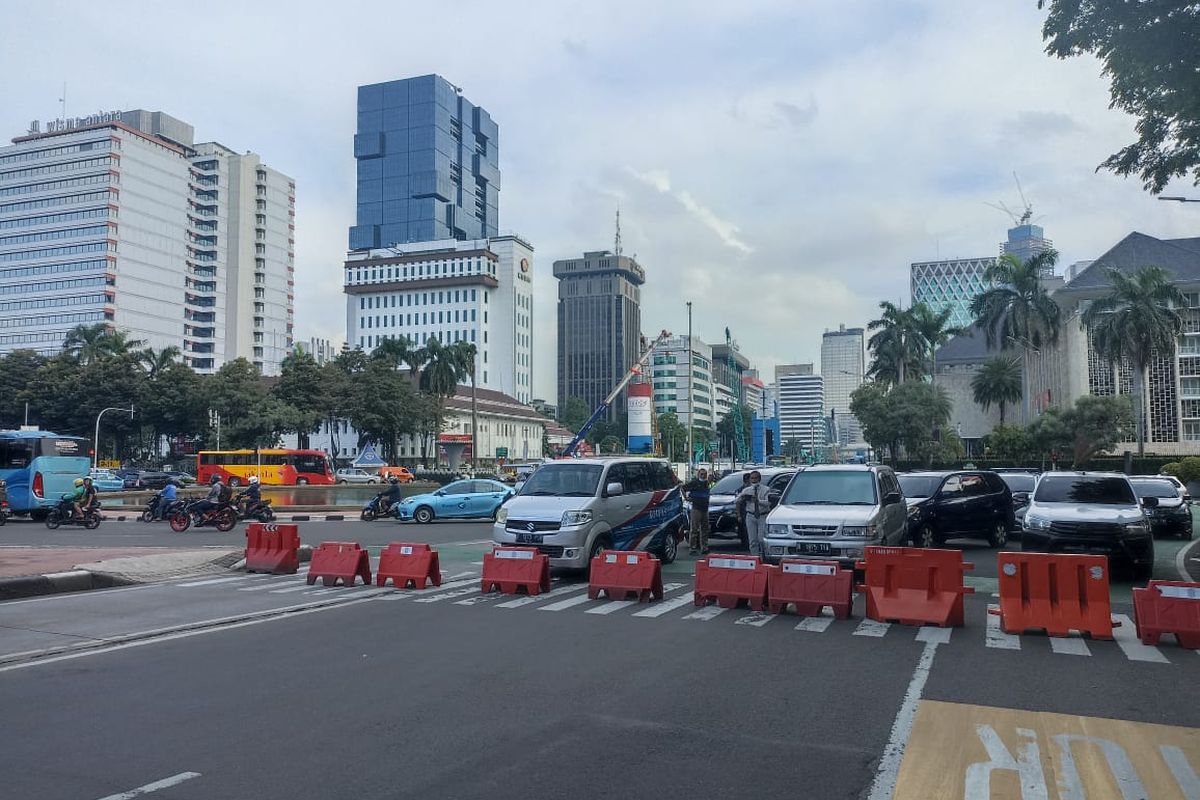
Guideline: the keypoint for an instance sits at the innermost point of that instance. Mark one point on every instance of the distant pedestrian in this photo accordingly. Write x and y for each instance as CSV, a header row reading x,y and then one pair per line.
x,y
757,500
740,508
697,491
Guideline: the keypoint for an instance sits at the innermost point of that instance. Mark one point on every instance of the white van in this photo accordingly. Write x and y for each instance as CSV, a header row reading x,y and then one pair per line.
x,y
573,509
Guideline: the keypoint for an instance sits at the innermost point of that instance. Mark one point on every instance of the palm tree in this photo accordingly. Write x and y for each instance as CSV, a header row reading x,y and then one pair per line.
x,y
999,382
443,369
155,362
1136,321
1018,308
895,345
932,332
89,343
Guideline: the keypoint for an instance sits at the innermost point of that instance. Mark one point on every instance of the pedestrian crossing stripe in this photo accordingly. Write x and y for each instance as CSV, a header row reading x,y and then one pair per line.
x,y
463,589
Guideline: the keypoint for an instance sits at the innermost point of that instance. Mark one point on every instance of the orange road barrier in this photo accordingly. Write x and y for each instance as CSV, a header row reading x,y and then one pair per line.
x,y
1054,592
915,585
405,564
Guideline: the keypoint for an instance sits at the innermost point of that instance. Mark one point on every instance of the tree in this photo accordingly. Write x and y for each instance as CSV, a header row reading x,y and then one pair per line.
x,y
88,343
574,413
155,361
868,404
250,418
902,416
382,407
1150,53
932,331
1018,308
727,432
300,386
1092,426
998,382
673,436
1010,442
895,346
1137,321
173,403
16,370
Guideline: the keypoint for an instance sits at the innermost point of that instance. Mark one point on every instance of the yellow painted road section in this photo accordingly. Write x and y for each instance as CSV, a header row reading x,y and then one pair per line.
x,y
970,752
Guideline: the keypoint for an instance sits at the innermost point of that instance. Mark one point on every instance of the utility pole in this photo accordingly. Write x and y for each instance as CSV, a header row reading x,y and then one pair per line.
x,y
474,415
691,396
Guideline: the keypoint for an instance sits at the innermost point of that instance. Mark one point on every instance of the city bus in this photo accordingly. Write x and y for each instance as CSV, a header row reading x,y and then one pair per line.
x,y
38,467
274,467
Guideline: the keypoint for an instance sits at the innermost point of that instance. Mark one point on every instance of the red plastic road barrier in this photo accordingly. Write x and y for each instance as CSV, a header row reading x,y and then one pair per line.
x,y
508,569
407,564
273,548
1054,592
915,585
731,579
345,560
619,573
810,586
1168,607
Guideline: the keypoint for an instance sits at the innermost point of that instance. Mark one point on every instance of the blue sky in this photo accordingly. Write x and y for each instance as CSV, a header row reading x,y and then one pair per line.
x,y
780,164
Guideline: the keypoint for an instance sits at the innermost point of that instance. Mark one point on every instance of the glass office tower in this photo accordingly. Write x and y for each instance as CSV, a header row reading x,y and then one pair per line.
x,y
428,165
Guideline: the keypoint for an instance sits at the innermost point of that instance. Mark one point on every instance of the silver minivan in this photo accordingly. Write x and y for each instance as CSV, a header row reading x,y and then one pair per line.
x,y
573,509
833,511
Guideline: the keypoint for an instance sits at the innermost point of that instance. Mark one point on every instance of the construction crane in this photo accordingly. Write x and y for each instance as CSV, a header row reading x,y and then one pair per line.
x,y
739,396
601,409
1026,214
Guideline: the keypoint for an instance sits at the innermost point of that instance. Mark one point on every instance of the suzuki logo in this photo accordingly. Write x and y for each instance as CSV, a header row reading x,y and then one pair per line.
x,y
530,527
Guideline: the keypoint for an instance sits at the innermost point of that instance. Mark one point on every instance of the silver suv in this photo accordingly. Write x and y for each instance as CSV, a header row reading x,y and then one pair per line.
x,y
833,511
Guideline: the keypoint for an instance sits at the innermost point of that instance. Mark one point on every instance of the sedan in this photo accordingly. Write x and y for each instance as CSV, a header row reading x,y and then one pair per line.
x,y
469,499
355,475
152,479
105,481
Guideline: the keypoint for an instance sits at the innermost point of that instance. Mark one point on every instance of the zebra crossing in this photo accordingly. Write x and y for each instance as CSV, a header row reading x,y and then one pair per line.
x,y
462,589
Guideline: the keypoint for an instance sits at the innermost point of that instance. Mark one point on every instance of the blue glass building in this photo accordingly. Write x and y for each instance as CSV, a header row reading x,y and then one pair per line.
x,y
428,165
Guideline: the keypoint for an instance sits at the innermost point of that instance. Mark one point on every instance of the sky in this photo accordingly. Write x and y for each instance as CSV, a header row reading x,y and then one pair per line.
x,y
779,164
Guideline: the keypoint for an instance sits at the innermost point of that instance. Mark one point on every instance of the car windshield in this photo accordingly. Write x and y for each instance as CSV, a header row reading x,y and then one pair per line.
x,y
1017,482
919,485
831,488
563,480
730,484
1164,489
1085,489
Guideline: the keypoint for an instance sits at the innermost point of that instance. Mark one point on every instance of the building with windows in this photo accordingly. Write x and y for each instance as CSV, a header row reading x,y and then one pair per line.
x,y
120,219
1026,241
729,366
951,283
843,367
478,291
428,165
801,406
599,325
689,395
322,350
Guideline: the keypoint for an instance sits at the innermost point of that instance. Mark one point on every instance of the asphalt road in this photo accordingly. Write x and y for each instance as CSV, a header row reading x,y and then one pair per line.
x,y
448,693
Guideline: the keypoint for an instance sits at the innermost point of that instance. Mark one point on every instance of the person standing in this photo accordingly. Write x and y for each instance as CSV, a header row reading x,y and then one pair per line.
x,y
740,509
757,500
697,491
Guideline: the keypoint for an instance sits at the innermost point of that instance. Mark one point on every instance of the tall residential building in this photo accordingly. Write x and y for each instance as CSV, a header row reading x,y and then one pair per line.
x,y
801,405
119,218
843,366
599,325
428,165
1026,241
680,391
478,291
727,377
952,284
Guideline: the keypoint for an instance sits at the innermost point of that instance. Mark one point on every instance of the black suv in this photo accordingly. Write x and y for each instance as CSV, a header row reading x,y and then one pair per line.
x,y
1173,515
954,505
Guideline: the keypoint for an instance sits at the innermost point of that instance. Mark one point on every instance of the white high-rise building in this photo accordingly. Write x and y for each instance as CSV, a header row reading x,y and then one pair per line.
x,y
679,391
119,219
478,291
843,365
801,405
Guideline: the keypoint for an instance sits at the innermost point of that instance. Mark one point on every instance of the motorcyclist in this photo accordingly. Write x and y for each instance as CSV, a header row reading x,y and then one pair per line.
x,y
389,496
252,494
75,497
163,500
212,500
89,492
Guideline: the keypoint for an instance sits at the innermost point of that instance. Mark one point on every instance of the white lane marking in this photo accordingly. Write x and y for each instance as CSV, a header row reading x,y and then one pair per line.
x,y
570,602
658,609
290,589
437,598
215,581
266,585
817,624
616,605
1069,645
706,613
403,594
537,598
997,638
755,619
870,627
165,783
1127,639
931,633
889,764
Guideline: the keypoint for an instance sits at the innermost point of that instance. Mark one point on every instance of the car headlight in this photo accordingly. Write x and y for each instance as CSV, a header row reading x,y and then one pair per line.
x,y
777,530
573,518
502,515
1035,523
859,531
1136,528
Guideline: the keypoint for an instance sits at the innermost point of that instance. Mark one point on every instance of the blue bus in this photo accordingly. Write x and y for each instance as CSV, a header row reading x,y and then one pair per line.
x,y
39,467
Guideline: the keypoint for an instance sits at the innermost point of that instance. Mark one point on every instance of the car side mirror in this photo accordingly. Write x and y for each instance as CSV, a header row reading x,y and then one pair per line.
x,y
1021,497
892,497
1150,502
440,493
613,489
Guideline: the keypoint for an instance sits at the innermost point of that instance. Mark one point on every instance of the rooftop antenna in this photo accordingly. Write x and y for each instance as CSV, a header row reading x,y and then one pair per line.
x,y
617,242
63,100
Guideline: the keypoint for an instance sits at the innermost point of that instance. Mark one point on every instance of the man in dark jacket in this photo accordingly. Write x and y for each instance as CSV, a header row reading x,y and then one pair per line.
x,y
697,491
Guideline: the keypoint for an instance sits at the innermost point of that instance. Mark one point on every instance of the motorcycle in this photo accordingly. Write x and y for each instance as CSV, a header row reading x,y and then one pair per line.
x,y
376,508
64,514
148,514
223,517
259,510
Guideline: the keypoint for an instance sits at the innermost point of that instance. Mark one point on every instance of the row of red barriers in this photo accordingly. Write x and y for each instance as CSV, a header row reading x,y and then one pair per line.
x,y
274,548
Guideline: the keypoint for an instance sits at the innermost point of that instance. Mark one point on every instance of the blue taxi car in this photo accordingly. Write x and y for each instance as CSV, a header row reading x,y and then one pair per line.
x,y
466,499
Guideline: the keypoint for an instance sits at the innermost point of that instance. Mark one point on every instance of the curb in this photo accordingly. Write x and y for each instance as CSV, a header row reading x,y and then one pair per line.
x,y
304,553
77,580
1187,573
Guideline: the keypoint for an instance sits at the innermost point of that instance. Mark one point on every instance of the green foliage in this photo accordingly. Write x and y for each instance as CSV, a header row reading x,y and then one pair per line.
x,y
1018,309
903,416
726,430
998,381
673,436
1150,54
905,343
300,386
1187,469
381,406
1010,442
1092,426
574,413
250,417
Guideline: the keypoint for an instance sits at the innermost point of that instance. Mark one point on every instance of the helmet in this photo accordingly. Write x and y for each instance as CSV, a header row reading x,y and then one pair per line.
x,y
215,479
79,481
393,479
253,479
87,478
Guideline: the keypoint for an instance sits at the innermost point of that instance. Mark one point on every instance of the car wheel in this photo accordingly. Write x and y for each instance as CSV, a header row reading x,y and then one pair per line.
x,y
372,481
926,536
598,546
302,481
342,482
423,515
670,548
999,535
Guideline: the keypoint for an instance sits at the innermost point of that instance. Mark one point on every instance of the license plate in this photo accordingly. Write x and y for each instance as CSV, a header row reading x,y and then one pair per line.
x,y
529,538
814,548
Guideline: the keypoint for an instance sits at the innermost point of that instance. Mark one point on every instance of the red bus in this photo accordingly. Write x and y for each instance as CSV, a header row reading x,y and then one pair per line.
x,y
275,467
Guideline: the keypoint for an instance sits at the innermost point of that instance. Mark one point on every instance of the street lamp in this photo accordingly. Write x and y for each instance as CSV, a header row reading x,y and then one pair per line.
x,y
1181,199
96,440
